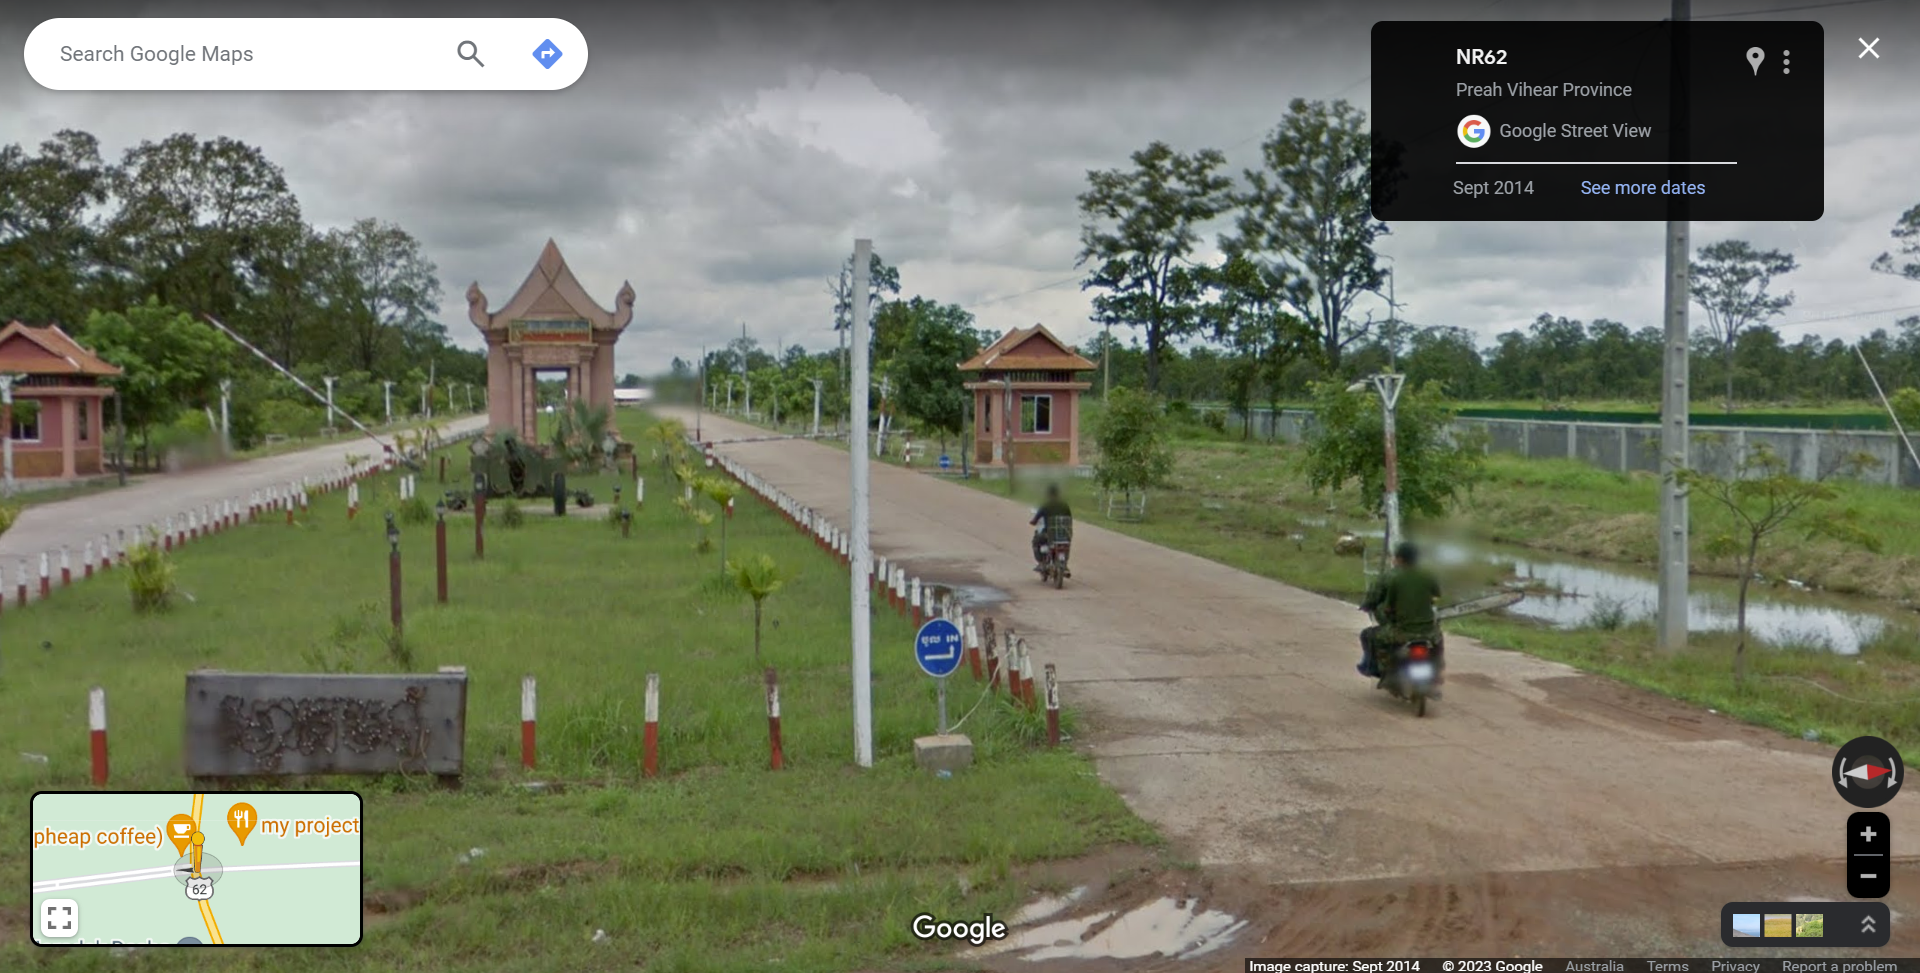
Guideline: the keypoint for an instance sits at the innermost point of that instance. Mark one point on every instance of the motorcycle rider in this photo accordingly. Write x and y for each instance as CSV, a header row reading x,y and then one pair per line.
x,y
1402,600
1054,507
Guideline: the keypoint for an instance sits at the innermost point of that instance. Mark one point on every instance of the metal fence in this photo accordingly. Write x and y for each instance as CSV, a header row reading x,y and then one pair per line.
x,y
1627,447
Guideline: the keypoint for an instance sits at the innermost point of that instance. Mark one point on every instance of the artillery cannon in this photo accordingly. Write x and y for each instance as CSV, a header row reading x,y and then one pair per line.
x,y
511,467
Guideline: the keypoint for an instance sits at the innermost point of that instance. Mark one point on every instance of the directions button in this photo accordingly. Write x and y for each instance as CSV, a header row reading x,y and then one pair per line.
x,y
546,54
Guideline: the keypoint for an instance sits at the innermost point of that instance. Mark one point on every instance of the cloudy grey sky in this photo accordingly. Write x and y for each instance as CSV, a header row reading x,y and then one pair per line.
x,y
723,156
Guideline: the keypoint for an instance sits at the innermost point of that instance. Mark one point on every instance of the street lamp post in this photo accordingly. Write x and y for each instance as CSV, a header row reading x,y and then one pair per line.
x,y
226,421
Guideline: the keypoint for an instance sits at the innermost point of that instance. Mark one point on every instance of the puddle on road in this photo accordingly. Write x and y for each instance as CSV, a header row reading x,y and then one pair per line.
x,y
1166,927
976,595
1047,908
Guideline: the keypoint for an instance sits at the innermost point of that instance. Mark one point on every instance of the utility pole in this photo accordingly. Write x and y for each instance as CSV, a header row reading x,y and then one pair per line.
x,y
880,440
1388,386
862,619
1007,420
119,432
329,380
226,421
816,407
700,401
6,421
387,389
1674,397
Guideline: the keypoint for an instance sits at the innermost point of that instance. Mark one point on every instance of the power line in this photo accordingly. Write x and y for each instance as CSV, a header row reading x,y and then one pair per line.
x,y
1782,10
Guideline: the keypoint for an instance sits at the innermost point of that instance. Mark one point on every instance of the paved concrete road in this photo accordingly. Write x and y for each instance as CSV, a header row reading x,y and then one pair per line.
x,y
75,522
1226,710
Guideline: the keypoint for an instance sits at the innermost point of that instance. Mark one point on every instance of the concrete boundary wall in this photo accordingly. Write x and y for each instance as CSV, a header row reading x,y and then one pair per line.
x,y
1629,447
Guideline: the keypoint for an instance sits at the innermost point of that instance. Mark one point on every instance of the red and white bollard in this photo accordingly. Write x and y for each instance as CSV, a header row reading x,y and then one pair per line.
x,y
1053,708
166,536
650,736
972,634
1026,675
639,492
22,576
106,553
729,507
46,576
1014,648
97,729
121,548
353,499
526,722
66,566
993,662
86,561
773,718
914,595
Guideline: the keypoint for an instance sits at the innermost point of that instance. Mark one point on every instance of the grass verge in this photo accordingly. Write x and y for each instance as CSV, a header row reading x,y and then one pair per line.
x,y
719,864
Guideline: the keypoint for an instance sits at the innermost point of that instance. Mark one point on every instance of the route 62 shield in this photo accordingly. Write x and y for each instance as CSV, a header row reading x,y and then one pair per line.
x,y
200,888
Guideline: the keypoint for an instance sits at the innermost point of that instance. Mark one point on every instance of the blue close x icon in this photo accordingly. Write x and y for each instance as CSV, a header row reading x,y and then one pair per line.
x,y
546,54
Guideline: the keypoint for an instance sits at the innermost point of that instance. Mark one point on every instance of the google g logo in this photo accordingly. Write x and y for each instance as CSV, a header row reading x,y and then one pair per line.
x,y
1474,131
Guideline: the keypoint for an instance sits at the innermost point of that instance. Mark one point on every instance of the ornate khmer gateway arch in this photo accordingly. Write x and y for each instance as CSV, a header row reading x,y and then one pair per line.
x,y
550,324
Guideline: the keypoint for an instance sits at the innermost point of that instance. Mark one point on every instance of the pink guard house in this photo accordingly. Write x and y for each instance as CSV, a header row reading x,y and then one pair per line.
x,y
59,396
1033,376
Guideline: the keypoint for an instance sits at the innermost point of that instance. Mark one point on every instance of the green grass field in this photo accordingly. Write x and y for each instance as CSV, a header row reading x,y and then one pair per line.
x,y
718,864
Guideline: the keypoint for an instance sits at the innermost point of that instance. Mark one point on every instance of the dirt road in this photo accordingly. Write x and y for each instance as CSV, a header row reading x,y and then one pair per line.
x,y
75,522
1538,810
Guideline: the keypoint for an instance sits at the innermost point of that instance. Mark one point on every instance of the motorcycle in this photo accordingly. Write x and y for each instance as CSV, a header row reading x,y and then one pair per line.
x,y
1053,562
1415,669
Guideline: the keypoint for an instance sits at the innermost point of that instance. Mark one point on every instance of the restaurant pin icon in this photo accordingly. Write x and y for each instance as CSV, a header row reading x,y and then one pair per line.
x,y
241,818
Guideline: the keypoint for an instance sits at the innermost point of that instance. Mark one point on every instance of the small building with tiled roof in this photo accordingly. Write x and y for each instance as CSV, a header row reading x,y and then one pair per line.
x,y
57,419
1033,377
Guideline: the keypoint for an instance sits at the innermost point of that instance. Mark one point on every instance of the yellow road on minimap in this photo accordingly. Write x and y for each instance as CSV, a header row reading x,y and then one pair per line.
x,y
206,907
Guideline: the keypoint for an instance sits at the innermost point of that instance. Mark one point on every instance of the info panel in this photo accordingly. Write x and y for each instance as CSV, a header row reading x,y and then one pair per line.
x,y
1598,120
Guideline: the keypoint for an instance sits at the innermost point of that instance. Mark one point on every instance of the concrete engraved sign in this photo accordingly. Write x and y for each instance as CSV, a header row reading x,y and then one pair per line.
x,y
271,724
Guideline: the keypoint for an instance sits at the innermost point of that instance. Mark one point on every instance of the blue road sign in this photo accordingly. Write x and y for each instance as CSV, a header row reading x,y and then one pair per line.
x,y
946,462
546,54
937,647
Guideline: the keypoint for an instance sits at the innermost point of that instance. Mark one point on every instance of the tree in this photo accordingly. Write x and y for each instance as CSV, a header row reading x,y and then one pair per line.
x,y
1729,279
1348,445
721,491
759,577
1310,210
387,287
928,387
1906,233
1136,451
1250,315
1447,357
1139,231
1763,497
49,233
171,362
882,280
194,217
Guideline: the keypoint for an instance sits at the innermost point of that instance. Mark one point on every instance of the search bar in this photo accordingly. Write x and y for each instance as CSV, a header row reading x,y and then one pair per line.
x,y
305,54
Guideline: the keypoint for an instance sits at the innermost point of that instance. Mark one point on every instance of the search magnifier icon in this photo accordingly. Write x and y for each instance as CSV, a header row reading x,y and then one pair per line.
x,y
469,51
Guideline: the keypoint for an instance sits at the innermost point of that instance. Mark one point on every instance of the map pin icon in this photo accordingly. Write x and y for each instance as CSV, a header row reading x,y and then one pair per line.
x,y
180,831
241,819
1754,57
